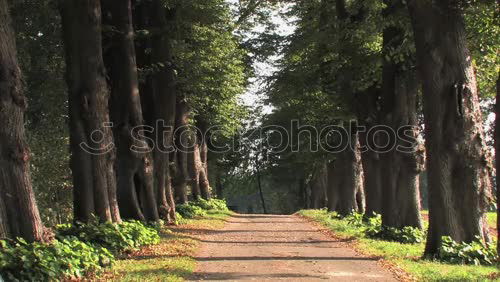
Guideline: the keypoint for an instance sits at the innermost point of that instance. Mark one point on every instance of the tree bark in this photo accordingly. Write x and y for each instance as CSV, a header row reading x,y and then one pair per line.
x,y
368,114
318,186
19,216
458,164
259,184
218,183
400,168
91,139
372,183
194,166
134,166
182,150
345,181
158,95
497,158
204,183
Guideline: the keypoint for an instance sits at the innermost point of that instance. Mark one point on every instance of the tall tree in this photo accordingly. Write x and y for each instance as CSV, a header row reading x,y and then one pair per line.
x,y
497,156
158,92
182,135
345,180
400,169
134,163
91,138
19,216
203,181
458,164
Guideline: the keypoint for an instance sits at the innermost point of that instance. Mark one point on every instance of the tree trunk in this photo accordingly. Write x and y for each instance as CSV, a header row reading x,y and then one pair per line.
x,y
367,112
372,182
19,216
164,99
261,192
158,96
134,159
497,158
194,166
218,183
91,139
458,165
182,150
400,168
318,187
345,181
203,173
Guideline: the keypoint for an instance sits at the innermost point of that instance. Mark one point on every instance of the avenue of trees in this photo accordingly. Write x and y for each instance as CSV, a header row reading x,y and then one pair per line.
x,y
77,76
111,85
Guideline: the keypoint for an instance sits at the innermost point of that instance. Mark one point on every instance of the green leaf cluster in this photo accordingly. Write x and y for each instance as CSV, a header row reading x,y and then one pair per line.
x,y
116,237
476,252
67,258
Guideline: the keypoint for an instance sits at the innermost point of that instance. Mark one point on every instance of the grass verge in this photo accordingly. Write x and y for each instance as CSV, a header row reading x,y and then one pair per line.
x,y
171,260
405,256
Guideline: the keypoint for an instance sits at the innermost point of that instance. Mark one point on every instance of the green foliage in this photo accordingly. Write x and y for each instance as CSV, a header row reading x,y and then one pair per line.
x,y
190,211
373,228
67,258
476,252
117,238
212,204
405,256
406,235
199,208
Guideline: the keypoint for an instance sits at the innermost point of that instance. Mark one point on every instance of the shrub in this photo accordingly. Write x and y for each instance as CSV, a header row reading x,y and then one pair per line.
x,y
212,204
68,258
476,252
117,238
355,219
406,235
190,211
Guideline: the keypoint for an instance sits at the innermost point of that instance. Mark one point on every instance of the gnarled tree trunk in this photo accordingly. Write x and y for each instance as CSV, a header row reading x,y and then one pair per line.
x,y
204,183
367,111
158,95
91,139
182,150
345,181
400,167
497,156
19,216
194,166
458,164
134,162
318,186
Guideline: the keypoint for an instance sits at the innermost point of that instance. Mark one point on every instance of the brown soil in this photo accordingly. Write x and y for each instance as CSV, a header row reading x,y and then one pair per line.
x,y
286,248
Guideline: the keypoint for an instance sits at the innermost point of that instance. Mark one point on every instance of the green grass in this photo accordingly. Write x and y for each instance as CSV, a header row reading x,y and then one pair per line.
x,y
405,256
171,260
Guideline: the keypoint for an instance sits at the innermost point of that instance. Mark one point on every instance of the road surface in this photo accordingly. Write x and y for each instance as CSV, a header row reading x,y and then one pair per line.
x,y
280,248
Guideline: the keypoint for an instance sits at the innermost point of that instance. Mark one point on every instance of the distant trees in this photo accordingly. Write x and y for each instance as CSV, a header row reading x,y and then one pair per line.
x,y
360,63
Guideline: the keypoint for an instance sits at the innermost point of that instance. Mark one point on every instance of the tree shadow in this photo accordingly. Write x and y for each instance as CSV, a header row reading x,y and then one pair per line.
x,y
260,258
245,276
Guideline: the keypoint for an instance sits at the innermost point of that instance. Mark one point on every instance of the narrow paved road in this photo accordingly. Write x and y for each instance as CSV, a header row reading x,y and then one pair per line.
x,y
271,247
